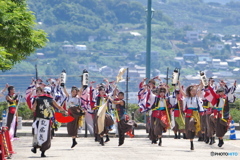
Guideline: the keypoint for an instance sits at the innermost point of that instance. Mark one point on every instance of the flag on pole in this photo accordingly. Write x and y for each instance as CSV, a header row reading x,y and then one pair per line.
x,y
120,74
101,117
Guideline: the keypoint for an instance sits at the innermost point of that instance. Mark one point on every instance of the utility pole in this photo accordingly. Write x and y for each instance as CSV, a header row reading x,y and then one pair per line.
x,y
148,50
127,78
36,71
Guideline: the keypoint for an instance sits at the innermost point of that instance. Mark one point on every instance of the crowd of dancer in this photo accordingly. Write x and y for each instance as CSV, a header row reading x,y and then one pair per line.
x,y
199,110
99,106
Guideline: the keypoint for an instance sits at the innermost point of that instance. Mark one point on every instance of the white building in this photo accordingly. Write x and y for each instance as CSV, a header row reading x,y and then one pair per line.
x,y
68,48
81,47
216,63
223,65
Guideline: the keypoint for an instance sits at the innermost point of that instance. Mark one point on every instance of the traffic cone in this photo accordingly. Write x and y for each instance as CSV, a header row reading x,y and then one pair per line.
x,y
232,131
8,140
2,151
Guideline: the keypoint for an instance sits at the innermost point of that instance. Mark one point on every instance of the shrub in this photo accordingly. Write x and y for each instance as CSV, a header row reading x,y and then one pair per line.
x,y
23,110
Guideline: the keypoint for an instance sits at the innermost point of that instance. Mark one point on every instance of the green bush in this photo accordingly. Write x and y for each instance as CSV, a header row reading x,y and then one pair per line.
x,y
138,117
235,113
23,110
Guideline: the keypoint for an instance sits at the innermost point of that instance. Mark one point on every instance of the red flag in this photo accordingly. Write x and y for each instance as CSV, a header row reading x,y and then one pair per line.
x,y
211,96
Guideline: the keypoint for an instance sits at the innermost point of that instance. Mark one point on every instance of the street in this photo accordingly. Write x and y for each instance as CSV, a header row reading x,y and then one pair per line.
x,y
133,149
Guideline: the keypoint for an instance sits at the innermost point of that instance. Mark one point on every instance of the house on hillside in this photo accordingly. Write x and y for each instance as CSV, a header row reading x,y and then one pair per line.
x,y
68,48
231,62
223,74
136,34
237,59
216,63
192,36
223,65
190,57
202,65
205,57
179,61
216,47
81,47
236,71
40,55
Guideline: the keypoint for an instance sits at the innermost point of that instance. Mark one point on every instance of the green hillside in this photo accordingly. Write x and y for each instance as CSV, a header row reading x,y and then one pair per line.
x,y
114,33
72,22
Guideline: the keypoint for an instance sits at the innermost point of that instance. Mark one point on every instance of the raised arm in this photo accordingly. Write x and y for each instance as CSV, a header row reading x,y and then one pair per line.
x,y
65,91
116,102
199,89
181,89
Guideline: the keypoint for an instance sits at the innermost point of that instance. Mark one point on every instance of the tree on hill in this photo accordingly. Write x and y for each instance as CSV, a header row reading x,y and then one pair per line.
x,y
18,38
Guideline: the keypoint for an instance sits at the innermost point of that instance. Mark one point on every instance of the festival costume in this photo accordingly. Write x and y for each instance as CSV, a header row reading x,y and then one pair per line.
x,y
11,112
124,124
98,123
160,119
192,109
178,117
74,110
42,127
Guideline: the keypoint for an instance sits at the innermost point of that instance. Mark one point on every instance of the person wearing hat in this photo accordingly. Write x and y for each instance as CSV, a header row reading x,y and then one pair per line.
x,y
43,108
192,108
221,114
160,119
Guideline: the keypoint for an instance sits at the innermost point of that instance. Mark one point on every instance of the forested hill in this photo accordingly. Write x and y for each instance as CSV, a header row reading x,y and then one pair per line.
x,y
108,22
76,20
216,16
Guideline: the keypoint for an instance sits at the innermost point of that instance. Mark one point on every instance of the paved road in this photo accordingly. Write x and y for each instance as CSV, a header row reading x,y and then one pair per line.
x,y
133,149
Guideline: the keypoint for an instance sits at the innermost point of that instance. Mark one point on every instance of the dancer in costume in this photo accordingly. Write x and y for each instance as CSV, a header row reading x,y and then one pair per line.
x,y
210,127
124,125
146,98
43,106
160,119
179,118
12,100
192,107
221,114
74,110
101,101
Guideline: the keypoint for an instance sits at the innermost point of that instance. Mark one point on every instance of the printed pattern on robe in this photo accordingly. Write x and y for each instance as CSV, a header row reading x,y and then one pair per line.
x,y
86,100
42,131
142,100
211,96
29,94
199,103
230,94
